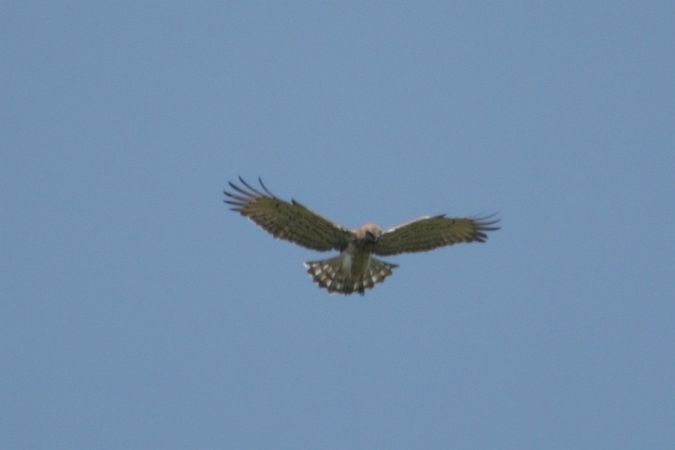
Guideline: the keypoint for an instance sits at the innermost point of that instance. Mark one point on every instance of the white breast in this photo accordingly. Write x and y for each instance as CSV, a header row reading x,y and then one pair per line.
x,y
346,262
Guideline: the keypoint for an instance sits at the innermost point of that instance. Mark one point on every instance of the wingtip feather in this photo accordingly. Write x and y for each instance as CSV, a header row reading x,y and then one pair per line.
x,y
265,188
251,187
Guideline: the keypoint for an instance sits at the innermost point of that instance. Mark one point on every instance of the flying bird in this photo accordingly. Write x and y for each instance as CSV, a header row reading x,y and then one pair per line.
x,y
355,269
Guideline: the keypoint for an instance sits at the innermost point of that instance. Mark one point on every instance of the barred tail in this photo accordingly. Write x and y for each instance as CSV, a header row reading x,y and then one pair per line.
x,y
333,275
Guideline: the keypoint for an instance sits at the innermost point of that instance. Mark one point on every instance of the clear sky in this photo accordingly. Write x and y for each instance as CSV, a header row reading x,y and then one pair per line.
x,y
138,312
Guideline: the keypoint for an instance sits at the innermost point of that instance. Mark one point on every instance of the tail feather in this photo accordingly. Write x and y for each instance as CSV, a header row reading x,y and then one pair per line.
x,y
333,276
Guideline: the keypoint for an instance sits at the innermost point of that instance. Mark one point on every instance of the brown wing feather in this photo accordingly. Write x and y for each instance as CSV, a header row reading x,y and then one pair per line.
x,y
428,233
290,221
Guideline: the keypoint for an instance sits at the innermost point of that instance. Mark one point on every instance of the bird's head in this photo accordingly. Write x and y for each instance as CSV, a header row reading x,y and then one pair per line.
x,y
369,232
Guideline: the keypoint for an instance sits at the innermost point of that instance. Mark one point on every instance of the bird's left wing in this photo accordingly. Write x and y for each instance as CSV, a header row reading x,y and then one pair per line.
x,y
427,233
286,220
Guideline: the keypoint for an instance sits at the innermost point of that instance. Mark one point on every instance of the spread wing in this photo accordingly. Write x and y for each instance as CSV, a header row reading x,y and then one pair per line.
x,y
286,220
427,233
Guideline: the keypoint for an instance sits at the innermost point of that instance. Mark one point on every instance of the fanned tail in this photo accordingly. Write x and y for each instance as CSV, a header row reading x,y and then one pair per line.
x,y
332,275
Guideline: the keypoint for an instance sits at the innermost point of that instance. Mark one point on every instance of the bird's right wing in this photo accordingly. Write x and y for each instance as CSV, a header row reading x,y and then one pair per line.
x,y
286,220
427,233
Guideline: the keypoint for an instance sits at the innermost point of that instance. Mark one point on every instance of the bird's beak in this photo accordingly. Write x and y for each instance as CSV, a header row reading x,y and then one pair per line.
x,y
370,236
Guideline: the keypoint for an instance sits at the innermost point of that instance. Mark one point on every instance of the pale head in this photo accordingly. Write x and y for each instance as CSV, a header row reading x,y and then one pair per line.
x,y
368,232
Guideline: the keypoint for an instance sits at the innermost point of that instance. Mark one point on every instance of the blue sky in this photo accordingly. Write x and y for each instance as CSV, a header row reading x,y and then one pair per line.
x,y
138,312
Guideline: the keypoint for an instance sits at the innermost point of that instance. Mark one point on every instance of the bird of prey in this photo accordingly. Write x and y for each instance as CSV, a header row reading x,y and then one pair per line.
x,y
355,269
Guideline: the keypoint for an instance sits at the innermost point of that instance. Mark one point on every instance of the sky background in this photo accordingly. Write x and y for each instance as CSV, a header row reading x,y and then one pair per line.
x,y
138,312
